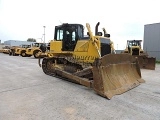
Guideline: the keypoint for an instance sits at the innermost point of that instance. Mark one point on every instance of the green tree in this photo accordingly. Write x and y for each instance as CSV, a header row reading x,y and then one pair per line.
x,y
31,40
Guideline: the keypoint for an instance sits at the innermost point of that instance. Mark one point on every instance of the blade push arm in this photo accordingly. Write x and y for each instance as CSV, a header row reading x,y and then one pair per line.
x,y
94,40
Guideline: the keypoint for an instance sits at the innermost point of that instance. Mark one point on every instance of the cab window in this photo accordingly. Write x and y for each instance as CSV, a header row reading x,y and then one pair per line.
x,y
73,36
60,35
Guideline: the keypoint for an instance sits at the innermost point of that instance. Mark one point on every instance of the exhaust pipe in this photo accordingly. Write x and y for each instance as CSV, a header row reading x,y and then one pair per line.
x,y
104,31
96,28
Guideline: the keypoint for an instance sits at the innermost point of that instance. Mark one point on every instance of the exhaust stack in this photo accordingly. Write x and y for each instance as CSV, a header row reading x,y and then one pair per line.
x,y
96,28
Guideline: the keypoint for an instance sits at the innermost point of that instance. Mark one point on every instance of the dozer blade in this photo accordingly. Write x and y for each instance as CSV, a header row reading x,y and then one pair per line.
x,y
147,62
115,74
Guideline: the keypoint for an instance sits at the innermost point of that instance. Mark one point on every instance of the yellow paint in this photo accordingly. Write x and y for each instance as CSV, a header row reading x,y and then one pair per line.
x,y
19,49
30,51
56,46
85,50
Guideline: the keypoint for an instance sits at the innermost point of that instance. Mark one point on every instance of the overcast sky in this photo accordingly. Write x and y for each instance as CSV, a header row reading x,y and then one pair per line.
x,y
123,19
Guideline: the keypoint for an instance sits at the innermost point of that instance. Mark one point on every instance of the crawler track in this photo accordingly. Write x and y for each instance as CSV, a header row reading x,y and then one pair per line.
x,y
49,67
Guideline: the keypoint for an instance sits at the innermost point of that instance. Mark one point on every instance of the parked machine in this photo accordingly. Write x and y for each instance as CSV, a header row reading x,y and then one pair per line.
x,y
44,50
34,50
13,50
134,48
5,50
22,50
90,61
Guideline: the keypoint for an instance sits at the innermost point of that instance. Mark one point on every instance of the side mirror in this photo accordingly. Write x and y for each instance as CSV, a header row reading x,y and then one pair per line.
x,y
107,35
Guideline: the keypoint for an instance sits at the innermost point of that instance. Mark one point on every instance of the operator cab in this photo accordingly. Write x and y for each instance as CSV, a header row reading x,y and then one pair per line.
x,y
134,43
69,34
37,44
26,46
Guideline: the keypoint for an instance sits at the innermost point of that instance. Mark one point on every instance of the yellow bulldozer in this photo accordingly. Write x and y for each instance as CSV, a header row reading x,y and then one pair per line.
x,y
90,61
134,48
34,50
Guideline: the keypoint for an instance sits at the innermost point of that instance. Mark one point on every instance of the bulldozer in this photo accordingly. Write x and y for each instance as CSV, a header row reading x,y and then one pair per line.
x,y
34,50
90,61
22,50
134,48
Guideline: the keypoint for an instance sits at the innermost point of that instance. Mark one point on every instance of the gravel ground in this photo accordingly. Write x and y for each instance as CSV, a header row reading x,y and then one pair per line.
x,y
26,93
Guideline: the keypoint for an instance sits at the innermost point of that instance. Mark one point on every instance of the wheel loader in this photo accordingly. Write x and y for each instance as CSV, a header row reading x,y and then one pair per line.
x,y
44,50
90,61
5,50
13,50
134,48
34,50
22,50
18,50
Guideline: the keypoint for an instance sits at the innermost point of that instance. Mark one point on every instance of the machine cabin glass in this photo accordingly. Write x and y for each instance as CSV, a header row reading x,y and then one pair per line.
x,y
36,44
26,46
134,43
69,34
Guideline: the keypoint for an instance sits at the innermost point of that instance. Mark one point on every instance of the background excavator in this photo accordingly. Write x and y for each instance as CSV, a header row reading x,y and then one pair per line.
x,y
90,61
134,48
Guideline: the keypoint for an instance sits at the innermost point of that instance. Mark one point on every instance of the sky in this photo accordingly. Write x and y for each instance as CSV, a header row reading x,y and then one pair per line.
x,y
123,19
